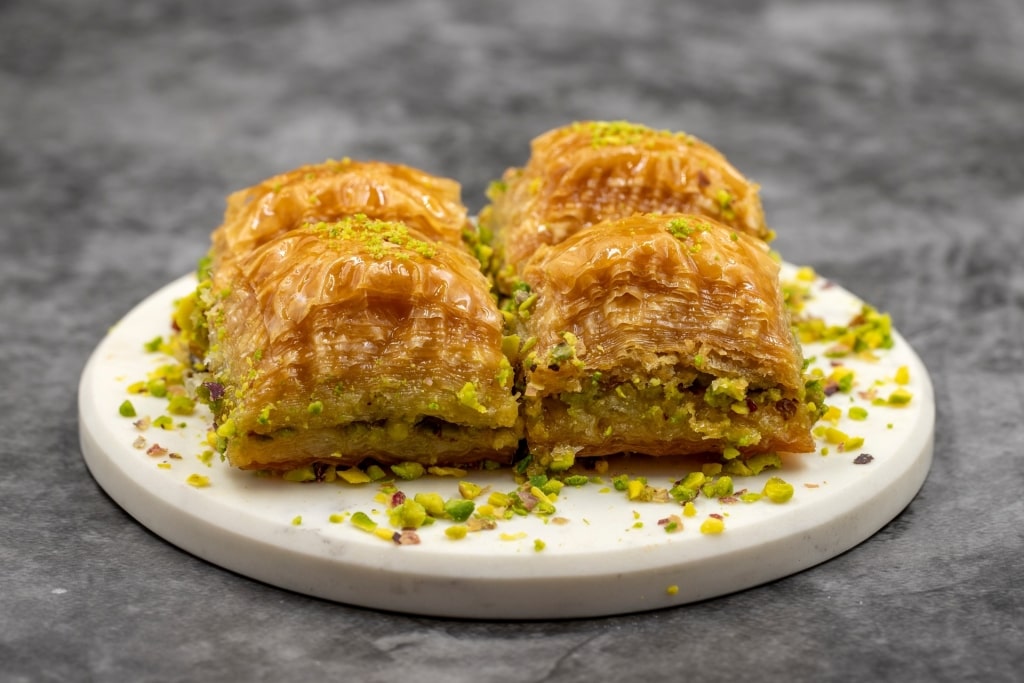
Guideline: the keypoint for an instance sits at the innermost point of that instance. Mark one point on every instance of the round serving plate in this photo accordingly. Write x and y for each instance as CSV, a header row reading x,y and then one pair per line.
x,y
599,554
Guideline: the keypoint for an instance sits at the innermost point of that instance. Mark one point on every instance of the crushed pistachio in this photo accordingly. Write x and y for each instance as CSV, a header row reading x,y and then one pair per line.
x,y
300,474
354,475
385,534
227,429
858,413
900,397
832,414
806,274
164,422
718,488
672,524
711,469
618,133
762,461
458,510
126,409
867,331
841,378
410,514
778,490
468,397
377,236
432,503
157,387
685,227
408,470
469,490
181,405
375,472
198,481
727,393
712,525
687,488
154,345
562,459
362,521
446,471
725,199
498,499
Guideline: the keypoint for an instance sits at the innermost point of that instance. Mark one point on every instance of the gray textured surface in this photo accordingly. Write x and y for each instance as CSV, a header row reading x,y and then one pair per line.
x,y
888,143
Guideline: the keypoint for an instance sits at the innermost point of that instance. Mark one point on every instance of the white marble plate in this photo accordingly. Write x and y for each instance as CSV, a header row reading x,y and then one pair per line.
x,y
608,555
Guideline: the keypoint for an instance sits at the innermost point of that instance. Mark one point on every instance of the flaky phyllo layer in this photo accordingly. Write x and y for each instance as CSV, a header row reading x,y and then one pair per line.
x,y
312,194
660,334
344,314
360,338
594,171
341,315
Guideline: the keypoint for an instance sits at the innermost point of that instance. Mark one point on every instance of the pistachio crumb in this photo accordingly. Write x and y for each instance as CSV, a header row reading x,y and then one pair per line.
x,y
778,490
712,525
857,413
198,481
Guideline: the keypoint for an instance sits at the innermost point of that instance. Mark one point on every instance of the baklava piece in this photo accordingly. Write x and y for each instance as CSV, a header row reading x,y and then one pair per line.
x,y
359,338
663,335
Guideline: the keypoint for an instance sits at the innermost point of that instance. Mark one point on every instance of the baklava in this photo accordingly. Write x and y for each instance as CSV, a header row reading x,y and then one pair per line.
x,y
663,334
592,171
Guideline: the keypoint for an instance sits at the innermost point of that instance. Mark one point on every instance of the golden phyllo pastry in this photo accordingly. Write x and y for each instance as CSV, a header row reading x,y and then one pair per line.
x,y
335,189
359,338
311,194
588,172
664,335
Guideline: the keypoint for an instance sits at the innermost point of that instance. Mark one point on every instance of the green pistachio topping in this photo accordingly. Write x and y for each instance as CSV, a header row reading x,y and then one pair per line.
x,y
617,133
468,397
686,227
378,236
